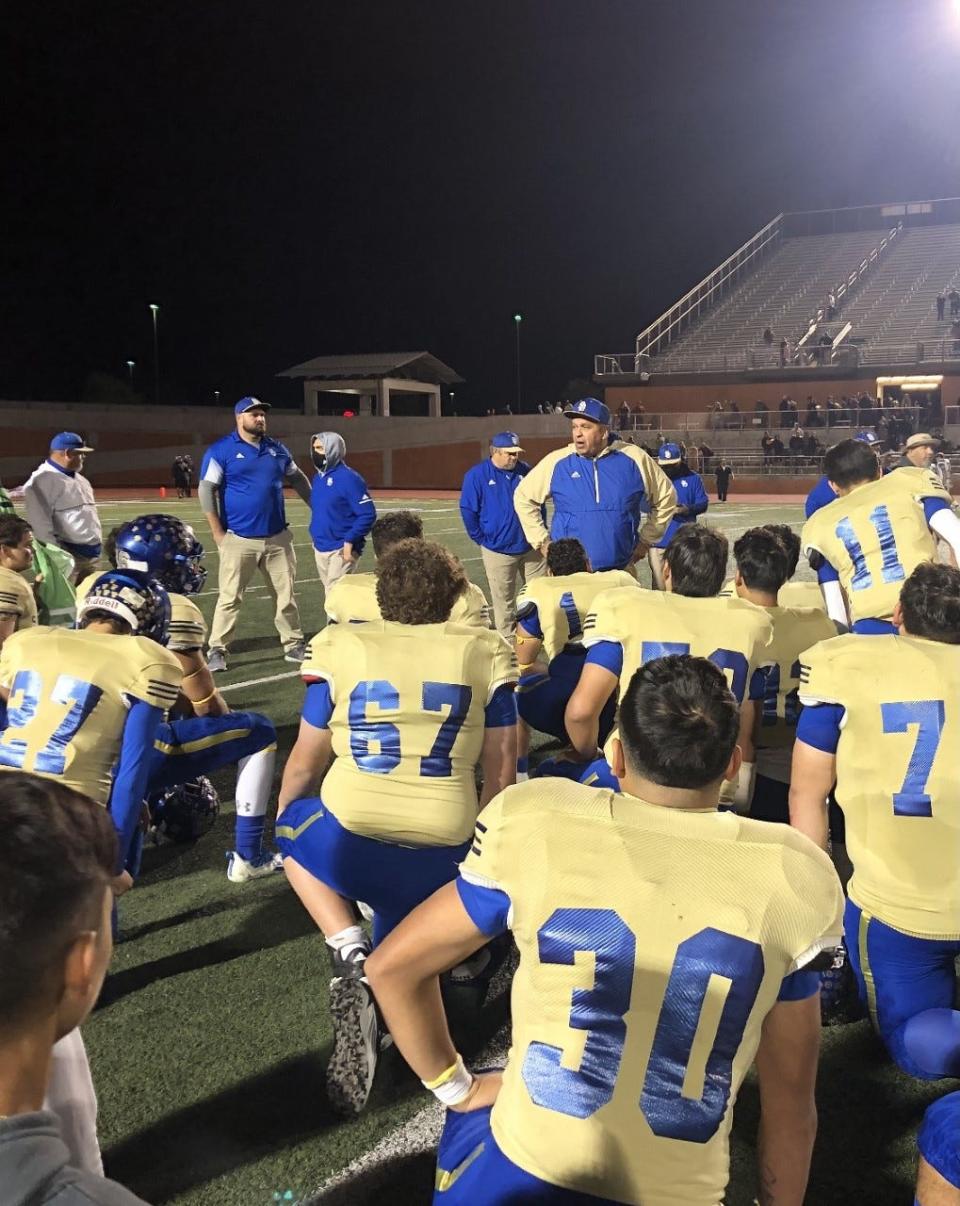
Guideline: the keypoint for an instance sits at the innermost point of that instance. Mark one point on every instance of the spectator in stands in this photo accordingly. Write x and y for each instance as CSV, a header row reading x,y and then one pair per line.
x,y
778,450
762,411
766,445
953,297
784,409
640,415
824,344
60,505
625,415
725,476
831,305
941,305
796,441
768,336
810,445
784,350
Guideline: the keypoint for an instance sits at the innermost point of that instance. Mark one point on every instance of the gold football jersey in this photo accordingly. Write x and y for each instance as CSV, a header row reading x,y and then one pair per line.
x,y
562,604
69,695
16,599
353,598
188,628
875,537
407,724
648,624
791,594
646,972
898,767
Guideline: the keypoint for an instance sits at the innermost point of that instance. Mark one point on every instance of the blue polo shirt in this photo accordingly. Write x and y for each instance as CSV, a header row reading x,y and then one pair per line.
x,y
249,479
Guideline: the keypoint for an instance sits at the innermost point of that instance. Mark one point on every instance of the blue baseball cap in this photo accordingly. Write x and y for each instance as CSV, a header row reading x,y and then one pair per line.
x,y
867,437
506,441
246,404
588,408
69,441
669,454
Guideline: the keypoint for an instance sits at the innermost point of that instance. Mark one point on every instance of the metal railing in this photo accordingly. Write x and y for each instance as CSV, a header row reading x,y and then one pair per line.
x,y
669,325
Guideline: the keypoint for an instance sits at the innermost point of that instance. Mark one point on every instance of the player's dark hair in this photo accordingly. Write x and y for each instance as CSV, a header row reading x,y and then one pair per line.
x,y
12,530
679,722
851,462
58,853
930,602
762,560
567,556
697,556
110,545
393,527
119,625
418,582
790,541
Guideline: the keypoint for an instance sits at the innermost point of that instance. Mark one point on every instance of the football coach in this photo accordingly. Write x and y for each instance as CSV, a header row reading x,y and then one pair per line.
x,y
488,513
241,491
601,489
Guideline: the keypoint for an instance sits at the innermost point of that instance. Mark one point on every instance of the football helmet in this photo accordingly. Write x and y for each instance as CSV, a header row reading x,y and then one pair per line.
x,y
130,595
183,813
166,548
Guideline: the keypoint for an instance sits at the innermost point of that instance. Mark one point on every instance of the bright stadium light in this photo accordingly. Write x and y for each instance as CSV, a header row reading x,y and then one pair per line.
x,y
517,319
155,310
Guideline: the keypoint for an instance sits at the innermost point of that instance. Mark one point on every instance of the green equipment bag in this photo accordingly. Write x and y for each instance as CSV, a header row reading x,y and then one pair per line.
x,y
56,598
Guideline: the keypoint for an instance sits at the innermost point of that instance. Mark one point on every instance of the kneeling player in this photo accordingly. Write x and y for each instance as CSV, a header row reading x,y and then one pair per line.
x,y
213,737
640,1000
409,704
880,716
938,1177
550,615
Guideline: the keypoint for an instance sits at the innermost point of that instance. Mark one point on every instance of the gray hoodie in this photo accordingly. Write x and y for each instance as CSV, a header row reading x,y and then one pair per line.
x,y
35,1169
334,446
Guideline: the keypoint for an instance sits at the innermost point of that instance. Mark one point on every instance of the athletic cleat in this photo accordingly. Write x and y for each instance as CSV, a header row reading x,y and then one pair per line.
x,y
216,661
365,911
358,1038
240,869
296,652
839,999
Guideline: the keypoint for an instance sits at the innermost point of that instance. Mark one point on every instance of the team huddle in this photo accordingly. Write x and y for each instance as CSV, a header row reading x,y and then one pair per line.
x,y
750,798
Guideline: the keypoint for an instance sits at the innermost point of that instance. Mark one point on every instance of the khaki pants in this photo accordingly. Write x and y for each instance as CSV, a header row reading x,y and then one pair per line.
x,y
655,557
506,575
331,566
240,558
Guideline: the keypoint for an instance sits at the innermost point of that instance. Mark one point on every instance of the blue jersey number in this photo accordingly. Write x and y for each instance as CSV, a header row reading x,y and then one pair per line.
x,y
381,694
890,568
573,616
600,1012
927,714
791,703
724,659
24,699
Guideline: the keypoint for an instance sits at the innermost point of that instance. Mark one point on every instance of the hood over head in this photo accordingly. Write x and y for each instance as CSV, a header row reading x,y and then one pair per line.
x,y
334,450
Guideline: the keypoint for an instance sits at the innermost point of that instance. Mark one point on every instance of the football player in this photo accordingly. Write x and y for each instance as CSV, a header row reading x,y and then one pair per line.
x,y
410,705
85,707
763,564
210,737
880,717
870,539
354,598
641,999
823,493
550,614
18,607
791,594
938,1177
627,629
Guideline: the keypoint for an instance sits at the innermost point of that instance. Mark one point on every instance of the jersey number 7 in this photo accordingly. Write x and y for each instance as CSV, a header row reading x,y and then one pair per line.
x,y
25,696
912,799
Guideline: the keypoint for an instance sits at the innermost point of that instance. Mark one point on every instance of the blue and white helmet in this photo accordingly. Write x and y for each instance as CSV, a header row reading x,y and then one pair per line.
x,y
184,813
164,547
133,596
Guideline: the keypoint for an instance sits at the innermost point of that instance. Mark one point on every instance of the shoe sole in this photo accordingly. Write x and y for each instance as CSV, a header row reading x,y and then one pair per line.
x,y
349,1077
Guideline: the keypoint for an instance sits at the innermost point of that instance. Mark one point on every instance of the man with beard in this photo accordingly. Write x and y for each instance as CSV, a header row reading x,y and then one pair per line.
x,y
691,501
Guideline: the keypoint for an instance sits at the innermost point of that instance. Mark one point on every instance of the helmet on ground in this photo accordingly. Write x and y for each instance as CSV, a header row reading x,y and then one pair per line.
x,y
184,813
164,547
133,596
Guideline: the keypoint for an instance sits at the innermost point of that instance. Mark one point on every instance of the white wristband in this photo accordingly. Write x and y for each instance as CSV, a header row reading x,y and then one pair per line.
x,y
455,1085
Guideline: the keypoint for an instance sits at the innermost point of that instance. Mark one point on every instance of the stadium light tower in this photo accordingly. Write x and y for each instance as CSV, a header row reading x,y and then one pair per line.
x,y
131,364
155,310
517,320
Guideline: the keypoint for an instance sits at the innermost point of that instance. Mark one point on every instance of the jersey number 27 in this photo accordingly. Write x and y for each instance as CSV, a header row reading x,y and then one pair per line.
x,y
25,696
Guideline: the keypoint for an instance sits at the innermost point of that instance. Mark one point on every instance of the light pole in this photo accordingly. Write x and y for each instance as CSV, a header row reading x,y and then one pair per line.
x,y
216,397
155,310
517,320
452,396
130,367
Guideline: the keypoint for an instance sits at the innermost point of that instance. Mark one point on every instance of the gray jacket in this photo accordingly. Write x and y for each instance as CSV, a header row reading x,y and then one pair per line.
x,y
34,1169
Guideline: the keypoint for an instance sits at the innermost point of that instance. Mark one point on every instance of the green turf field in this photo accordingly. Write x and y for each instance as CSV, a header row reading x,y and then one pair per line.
x,y
209,1044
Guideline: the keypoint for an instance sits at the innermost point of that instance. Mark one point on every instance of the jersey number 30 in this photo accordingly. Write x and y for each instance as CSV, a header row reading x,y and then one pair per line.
x,y
670,1112
25,697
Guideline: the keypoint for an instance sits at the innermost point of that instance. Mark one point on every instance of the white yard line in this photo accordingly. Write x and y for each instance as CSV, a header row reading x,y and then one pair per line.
x,y
256,682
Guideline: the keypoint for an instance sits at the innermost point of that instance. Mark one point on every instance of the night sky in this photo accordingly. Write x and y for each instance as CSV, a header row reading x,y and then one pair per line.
x,y
294,179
